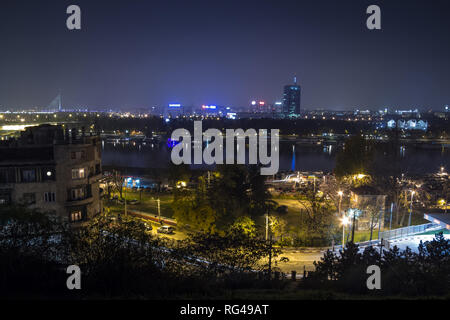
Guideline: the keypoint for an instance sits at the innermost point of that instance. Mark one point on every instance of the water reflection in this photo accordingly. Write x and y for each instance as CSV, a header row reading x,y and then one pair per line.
x,y
293,156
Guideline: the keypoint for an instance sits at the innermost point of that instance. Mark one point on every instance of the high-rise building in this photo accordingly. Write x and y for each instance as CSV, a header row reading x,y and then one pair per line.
x,y
291,100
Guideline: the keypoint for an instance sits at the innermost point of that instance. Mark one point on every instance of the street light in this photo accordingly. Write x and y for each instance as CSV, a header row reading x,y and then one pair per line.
x,y
159,209
410,210
344,221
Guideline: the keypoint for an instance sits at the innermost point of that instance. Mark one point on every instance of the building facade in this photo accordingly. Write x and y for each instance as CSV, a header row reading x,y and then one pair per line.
x,y
291,100
52,170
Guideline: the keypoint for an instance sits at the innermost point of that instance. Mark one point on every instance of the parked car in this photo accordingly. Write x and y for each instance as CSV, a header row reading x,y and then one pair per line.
x,y
165,229
133,201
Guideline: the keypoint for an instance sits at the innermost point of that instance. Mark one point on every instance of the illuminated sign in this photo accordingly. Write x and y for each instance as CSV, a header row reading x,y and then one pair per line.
x,y
261,103
174,105
209,107
231,115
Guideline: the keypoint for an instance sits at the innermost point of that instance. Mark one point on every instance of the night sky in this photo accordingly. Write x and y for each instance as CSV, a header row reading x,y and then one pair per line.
x,y
139,53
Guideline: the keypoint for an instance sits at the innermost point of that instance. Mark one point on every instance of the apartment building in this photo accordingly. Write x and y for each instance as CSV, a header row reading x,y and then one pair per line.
x,y
52,169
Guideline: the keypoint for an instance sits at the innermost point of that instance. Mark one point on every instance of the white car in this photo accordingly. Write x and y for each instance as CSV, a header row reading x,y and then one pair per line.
x,y
165,229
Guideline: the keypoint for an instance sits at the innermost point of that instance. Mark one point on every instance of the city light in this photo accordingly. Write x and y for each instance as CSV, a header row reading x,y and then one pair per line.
x,y
345,221
16,127
359,176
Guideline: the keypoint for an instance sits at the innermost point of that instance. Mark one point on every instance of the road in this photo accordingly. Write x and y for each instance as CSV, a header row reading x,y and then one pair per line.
x,y
176,236
299,259
413,241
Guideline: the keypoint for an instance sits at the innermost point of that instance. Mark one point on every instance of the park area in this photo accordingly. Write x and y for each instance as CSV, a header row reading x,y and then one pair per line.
x,y
287,219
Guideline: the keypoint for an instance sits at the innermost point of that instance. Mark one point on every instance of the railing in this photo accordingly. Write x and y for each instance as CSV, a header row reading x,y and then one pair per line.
x,y
406,231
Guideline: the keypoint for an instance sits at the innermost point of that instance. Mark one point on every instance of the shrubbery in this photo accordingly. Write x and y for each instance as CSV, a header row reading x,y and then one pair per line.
x,y
118,258
424,273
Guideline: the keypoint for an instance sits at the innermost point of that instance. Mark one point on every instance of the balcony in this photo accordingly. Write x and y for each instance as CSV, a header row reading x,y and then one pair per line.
x,y
79,201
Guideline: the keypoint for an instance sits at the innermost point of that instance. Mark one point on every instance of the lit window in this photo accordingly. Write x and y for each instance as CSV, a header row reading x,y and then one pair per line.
x,y
76,216
78,173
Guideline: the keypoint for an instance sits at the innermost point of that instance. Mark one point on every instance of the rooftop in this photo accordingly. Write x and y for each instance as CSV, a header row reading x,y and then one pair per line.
x,y
442,219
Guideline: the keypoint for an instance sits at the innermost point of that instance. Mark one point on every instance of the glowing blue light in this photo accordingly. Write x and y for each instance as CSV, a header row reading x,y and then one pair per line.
x,y
172,143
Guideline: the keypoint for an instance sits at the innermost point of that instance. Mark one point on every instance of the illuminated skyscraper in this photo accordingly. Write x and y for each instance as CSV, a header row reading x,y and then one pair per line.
x,y
291,100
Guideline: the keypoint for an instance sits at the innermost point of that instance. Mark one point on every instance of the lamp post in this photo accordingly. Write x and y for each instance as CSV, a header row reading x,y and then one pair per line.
x,y
340,193
344,221
126,196
159,209
411,207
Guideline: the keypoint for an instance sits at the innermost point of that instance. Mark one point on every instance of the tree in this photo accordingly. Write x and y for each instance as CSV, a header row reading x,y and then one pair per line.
x,y
30,253
228,194
403,272
277,227
259,196
354,158
244,225
193,208
317,215
116,255
180,172
387,171
117,181
233,252
330,188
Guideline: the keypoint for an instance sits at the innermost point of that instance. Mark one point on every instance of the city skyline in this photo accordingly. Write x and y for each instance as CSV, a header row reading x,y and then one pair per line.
x,y
155,53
